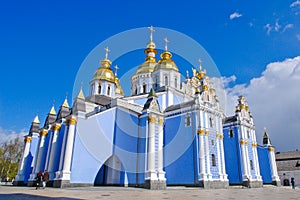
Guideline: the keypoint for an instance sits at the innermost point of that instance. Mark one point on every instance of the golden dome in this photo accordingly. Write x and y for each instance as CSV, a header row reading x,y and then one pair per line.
x,y
149,64
104,72
166,62
118,89
146,67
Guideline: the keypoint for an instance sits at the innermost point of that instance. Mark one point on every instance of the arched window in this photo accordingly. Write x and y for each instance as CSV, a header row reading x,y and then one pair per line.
x,y
251,165
144,88
156,82
188,120
213,159
136,90
231,133
248,134
210,121
92,90
99,88
175,82
108,90
166,80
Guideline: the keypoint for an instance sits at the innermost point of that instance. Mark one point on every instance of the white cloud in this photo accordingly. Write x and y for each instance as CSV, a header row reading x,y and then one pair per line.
x,y
274,101
235,15
7,135
277,26
295,3
268,27
288,26
298,36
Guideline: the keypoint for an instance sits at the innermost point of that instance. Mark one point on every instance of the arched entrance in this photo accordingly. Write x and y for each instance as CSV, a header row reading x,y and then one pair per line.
x,y
110,173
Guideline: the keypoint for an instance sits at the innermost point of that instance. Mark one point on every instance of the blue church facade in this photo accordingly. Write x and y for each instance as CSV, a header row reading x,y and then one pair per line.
x,y
167,132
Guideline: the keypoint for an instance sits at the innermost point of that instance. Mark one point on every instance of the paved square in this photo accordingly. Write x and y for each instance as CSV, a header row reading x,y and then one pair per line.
x,y
267,192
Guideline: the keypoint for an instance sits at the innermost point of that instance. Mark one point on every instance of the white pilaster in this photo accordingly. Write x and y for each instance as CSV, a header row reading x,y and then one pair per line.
x,y
39,153
48,153
21,176
219,157
200,133
151,173
53,150
245,175
62,153
275,176
66,170
161,173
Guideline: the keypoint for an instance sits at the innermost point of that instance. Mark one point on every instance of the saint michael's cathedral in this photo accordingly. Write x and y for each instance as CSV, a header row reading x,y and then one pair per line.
x,y
167,132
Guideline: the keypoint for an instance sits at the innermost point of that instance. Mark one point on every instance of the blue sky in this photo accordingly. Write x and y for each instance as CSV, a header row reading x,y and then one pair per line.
x,y
43,43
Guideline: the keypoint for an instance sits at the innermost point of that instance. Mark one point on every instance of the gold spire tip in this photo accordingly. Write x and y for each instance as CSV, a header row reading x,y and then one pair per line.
x,y
36,119
52,111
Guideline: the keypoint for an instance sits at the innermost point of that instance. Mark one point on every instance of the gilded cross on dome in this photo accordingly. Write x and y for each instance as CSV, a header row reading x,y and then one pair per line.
x,y
116,71
151,33
166,44
200,64
106,54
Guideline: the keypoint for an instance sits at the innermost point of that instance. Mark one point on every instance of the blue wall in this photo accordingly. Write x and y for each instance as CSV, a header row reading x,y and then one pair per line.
x,y
264,164
232,156
180,152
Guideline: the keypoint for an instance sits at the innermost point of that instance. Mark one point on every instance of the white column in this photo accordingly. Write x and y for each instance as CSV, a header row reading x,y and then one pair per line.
x,y
248,161
161,173
151,173
207,147
62,153
209,175
53,150
223,158
219,157
41,150
200,133
245,175
48,153
20,176
256,164
275,176
66,171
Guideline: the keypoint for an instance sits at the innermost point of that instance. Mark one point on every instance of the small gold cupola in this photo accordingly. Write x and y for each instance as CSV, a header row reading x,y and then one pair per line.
x,y
150,60
119,89
104,72
166,62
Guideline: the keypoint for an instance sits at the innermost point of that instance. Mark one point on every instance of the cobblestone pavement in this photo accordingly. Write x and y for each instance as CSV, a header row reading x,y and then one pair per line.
x,y
265,193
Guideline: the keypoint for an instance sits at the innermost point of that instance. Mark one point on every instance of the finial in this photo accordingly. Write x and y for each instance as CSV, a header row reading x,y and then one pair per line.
x,y
200,64
116,71
265,129
52,111
166,44
36,119
106,54
151,33
65,104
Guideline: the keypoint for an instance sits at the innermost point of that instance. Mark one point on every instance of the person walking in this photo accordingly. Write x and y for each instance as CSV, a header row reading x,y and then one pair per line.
x,y
45,178
39,179
293,182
